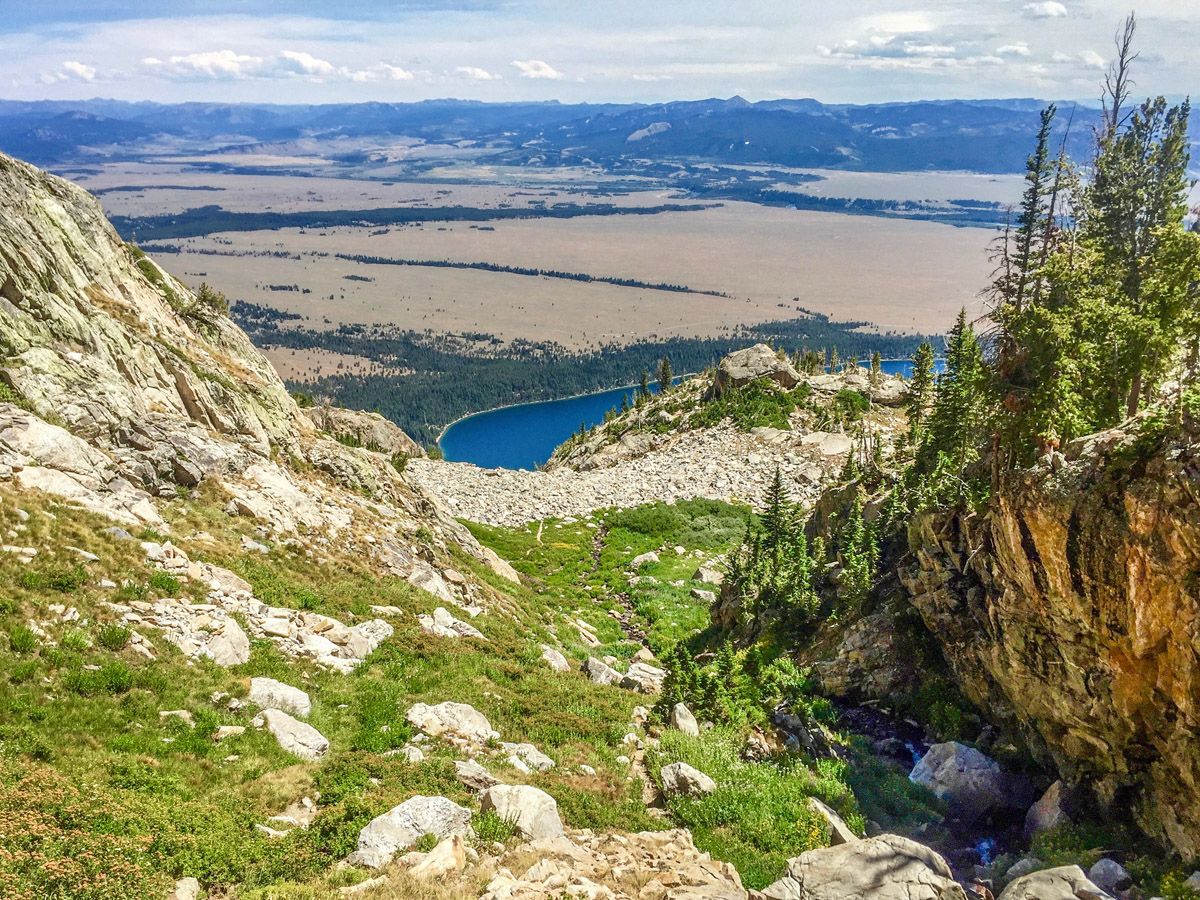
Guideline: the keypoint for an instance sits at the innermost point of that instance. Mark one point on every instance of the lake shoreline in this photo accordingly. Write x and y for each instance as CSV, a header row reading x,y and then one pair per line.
x,y
619,387
484,412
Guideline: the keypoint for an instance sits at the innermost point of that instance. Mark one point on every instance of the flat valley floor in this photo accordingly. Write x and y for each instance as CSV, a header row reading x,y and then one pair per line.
x,y
768,263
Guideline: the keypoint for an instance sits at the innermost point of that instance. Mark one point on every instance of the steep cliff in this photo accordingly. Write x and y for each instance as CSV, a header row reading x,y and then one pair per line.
x,y
1071,610
125,388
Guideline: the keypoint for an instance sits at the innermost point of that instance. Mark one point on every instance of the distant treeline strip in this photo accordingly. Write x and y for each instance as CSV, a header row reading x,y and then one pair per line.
x,y
525,270
453,375
212,219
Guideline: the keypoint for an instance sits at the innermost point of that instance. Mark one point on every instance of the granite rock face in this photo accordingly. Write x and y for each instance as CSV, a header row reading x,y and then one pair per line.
x,y
1067,612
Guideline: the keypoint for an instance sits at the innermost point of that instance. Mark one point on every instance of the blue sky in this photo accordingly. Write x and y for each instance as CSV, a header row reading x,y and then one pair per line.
x,y
604,50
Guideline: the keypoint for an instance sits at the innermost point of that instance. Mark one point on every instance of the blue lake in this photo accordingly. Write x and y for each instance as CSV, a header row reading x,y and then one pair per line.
x,y
524,436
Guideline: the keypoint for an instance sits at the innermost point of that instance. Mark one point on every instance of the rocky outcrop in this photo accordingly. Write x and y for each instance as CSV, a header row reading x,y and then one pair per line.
x,y
744,366
132,386
363,429
99,337
1070,612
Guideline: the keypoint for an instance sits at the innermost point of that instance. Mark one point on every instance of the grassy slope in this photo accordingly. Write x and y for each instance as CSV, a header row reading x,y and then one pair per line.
x,y
88,749
125,801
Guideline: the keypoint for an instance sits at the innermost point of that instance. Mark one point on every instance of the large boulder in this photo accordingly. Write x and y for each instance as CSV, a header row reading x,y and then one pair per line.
x,y
681,779
452,720
682,719
532,811
267,693
403,825
600,672
888,867
839,831
644,678
443,624
1063,883
1050,811
296,737
744,366
972,784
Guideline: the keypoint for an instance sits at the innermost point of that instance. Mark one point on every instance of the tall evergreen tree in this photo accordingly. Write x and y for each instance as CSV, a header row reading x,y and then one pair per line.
x,y
665,375
957,420
920,392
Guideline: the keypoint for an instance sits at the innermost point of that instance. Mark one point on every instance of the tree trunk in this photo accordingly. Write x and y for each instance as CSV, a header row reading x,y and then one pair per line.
x,y
1135,396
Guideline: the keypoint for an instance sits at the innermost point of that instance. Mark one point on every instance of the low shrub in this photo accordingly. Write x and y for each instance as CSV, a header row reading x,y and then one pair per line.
x,y
22,639
165,583
113,637
63,579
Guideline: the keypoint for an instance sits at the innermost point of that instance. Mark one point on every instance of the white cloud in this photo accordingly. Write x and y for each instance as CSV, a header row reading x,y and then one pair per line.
x,y
298,62
395,73
71,70
227,65
475,73
1092,59
1017,48
211,64
536,68
1045,9
79,70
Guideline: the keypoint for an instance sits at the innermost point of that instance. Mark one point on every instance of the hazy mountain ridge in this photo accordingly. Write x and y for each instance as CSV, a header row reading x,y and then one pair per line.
x,y
981,135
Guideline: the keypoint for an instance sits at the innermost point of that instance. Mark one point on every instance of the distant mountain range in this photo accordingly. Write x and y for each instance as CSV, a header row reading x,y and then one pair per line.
x,y
992,136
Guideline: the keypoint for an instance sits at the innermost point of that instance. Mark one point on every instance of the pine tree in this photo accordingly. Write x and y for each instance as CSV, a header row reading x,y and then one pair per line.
x,y
956,423
876,369
644,387
920,392
665,376
835,364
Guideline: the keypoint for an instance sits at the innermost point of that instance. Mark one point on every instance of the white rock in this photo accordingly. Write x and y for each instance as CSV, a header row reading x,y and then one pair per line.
x,y
267,693
403,825
296,737
533,812
459,720
683,720
555,660
680,778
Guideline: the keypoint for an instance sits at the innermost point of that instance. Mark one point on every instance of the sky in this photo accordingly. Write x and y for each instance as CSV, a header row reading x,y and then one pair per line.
x,y
852,51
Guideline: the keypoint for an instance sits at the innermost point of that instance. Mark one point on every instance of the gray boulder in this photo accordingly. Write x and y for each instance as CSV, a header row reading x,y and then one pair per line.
x,y
970,783
403,825
888,867
682,719
296,737
744,366
600,672
681,779
643,677
533,812
1110,875
1050,810
267,693
1063,883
